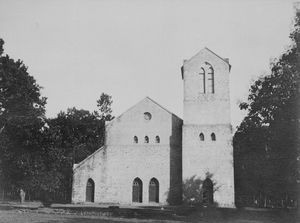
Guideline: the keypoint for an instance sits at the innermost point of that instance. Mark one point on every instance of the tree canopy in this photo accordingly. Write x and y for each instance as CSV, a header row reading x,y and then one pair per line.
x,y
266,144
37,154
22,119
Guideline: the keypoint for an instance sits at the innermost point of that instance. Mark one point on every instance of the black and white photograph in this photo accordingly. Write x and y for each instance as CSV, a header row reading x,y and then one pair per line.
x,y
149,111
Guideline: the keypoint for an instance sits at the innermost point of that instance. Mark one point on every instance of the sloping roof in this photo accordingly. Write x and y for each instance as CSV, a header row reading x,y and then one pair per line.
x,y
87,158
163,108
98,150
146,98
226,60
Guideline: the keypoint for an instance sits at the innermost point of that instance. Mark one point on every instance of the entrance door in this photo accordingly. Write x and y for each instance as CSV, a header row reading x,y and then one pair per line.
x,y
153,190
90,190
137,191
208,192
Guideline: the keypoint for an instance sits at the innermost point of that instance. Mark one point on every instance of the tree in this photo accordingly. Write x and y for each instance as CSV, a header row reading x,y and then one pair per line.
x,y
267,142
104,103
22,110
193,190
71,137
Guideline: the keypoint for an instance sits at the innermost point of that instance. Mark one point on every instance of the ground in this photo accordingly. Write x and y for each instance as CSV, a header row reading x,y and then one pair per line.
x,y
12,213
15,216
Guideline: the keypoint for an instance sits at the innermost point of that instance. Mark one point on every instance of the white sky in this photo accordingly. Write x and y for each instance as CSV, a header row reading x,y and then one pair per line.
x,y
132,49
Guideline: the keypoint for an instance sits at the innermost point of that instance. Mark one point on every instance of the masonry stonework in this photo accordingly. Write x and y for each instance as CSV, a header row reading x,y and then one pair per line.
x,y
208,112
178,154
114,167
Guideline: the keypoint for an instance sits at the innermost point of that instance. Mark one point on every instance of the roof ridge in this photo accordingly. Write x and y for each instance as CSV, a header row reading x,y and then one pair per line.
x,y
218,55
89,156
147,97
162,107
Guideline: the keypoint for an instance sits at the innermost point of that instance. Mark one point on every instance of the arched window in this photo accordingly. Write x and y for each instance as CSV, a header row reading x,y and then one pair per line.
x,y
137,190
146,139
202,80
135,139
201,136
157,139
154,190
213,137
210,80
207,192
90,191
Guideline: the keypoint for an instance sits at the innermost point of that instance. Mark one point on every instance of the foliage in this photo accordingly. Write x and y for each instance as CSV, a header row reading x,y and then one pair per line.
x,y
37,154
22,118
266,144
70,137
104,103
192,189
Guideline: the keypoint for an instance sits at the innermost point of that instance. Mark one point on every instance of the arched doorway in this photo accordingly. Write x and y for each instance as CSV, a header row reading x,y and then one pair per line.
x,y
137,190
154,190
208,192
90,190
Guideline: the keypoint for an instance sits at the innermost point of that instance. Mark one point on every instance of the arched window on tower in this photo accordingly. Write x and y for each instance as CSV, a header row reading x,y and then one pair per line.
x,y
213,137
210,80
135,139
202,80
146,139
201,136
157,139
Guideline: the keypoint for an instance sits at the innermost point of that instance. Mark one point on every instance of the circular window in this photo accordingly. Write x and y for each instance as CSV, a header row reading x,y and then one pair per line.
x,y
147,116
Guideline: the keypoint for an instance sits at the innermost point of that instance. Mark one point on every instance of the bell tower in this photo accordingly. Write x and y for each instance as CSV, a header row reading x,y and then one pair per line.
x,y
207,132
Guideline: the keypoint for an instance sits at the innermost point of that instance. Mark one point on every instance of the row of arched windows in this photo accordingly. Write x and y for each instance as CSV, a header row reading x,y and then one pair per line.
x,y
212,136
137,190
146,139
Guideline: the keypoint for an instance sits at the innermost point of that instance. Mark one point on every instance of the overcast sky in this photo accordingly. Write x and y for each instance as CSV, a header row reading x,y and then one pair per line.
x,y
131,49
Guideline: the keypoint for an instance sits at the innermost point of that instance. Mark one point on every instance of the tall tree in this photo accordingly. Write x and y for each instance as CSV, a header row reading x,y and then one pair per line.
x,y
267,142
22,111
71,137
104,104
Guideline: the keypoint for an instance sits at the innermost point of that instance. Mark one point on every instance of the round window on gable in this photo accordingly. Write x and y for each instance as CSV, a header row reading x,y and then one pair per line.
x,y
147,116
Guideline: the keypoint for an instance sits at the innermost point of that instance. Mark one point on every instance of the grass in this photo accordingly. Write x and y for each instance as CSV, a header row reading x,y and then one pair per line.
x,y
69,214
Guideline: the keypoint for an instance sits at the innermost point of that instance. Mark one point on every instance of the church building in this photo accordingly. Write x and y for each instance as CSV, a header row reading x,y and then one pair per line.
x,y
149,151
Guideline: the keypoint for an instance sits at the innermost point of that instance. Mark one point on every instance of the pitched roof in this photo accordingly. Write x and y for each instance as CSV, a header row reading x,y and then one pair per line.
x,y
146,98
75,166
226,60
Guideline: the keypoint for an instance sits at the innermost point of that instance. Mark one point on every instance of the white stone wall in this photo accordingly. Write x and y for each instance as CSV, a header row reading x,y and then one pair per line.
x,y
123,160
208,113
180,153
206,108
93,167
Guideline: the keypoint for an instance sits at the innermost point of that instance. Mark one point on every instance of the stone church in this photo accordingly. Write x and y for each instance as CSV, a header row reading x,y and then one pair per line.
x,y
149,151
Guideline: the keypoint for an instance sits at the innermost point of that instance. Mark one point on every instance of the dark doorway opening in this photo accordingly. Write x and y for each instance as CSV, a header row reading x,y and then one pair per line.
x,y
90,190
154,190
208,192
137,190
